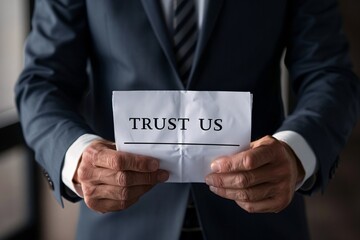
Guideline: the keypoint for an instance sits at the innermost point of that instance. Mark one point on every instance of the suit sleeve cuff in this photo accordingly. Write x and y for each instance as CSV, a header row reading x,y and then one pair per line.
x,y
302,150
72,158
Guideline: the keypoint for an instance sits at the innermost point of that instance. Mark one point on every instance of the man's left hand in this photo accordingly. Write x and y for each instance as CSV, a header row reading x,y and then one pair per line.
x,y
261,179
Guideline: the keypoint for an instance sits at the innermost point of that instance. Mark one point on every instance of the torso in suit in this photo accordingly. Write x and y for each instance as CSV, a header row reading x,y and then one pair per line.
x,y
239,49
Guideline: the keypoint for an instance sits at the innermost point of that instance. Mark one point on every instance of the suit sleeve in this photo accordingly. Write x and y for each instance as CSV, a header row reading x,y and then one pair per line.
x,y
53,82
326,90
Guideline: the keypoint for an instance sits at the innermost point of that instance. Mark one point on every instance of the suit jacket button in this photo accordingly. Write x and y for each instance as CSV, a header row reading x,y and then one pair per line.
x,y
51,184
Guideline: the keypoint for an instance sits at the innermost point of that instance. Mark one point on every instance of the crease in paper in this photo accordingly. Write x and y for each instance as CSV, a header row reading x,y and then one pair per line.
x,y
185,153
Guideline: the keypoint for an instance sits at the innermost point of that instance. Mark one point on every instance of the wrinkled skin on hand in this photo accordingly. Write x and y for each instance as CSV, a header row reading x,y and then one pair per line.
x,y
111,180
261,179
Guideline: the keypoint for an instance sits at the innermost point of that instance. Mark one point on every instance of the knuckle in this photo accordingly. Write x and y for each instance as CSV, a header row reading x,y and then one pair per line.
x,y
247,161
90,153
94,154
124,193
88,190
86,157
237,181
83,173
271,140
139,162
126,161
246,179
227,164
244,195
121,178
241,180
219,182
111,161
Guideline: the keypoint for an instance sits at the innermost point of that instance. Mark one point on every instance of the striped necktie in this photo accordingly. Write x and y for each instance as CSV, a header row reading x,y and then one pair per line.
x,y
185,36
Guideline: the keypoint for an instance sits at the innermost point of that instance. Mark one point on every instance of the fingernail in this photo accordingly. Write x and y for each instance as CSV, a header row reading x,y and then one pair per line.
x,y
213,189
153,165
209,181
163,176
215,167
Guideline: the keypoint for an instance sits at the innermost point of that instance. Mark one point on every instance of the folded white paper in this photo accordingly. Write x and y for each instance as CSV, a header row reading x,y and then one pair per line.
x,y
185,130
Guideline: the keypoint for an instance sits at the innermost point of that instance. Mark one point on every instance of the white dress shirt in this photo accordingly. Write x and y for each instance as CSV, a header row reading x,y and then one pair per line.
x,y
298,144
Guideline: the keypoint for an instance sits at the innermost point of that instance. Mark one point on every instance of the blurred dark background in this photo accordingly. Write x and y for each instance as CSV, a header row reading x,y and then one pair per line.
x,y
29,211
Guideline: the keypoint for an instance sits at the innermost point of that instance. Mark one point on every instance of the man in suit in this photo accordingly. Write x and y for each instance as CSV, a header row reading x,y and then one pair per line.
x,y
79,51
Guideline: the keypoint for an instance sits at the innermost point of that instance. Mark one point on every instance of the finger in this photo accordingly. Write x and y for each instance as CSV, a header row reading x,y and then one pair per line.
x,y
244,179
127,178
266,140
115,192
254,194
123,161
269,205
260,153
108,205
244,161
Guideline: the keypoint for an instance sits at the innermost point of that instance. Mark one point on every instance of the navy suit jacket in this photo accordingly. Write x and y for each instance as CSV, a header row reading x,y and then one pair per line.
x,y
79,51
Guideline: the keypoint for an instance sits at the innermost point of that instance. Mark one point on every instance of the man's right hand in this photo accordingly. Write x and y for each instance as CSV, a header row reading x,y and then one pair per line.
x,y
111,180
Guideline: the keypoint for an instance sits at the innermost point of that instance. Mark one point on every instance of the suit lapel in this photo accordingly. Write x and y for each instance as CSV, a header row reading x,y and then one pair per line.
x,y
211,14
155,15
